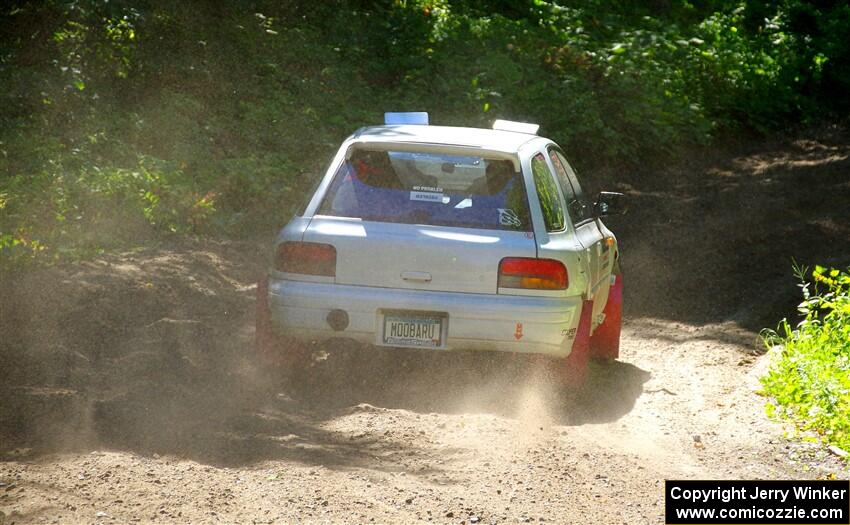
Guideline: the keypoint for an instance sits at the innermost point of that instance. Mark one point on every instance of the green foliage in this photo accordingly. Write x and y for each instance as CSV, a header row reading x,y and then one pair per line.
x,y
220,116
810,378
49,215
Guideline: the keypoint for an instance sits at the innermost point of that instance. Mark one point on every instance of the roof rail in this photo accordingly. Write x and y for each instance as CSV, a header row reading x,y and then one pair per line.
x,y
519,127
406,117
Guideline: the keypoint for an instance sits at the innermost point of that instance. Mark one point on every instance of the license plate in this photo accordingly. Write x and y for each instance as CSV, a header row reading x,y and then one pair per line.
x,y
421,331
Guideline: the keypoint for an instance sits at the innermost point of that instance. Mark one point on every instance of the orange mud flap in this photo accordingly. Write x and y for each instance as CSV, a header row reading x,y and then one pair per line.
x,y
605,342
272,348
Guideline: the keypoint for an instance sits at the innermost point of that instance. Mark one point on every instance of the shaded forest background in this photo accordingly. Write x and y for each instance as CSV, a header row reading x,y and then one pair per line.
x,y
126,122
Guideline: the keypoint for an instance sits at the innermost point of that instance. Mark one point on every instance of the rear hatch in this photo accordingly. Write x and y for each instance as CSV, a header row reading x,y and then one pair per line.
x,y
424,221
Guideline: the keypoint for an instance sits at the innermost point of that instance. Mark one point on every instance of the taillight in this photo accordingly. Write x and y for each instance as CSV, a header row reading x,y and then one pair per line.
x,y
532,274
310,258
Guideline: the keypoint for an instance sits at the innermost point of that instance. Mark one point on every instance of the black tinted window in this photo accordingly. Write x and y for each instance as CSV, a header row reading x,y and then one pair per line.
x,y
547,194
577,205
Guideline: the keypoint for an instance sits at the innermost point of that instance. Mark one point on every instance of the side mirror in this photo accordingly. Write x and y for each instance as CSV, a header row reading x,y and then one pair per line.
x,y
609,203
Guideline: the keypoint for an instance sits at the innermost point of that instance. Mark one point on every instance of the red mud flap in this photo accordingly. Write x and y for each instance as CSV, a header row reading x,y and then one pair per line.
x,y
575,365
605,342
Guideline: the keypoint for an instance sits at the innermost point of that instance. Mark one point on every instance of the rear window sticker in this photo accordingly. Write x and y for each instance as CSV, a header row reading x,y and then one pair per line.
x,y
432,189
508,217
426,196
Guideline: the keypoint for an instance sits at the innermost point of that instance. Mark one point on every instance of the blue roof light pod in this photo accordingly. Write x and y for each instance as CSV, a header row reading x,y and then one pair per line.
x,y
406,117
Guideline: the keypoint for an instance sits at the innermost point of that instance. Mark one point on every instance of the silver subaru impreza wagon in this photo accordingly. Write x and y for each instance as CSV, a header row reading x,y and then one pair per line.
x,y
447,238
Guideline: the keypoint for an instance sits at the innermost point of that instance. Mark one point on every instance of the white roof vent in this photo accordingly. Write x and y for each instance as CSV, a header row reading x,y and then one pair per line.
x,y
519,127
406,117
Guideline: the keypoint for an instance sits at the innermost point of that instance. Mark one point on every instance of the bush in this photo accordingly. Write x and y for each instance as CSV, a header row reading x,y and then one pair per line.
x,y
810,376
50,215
219,116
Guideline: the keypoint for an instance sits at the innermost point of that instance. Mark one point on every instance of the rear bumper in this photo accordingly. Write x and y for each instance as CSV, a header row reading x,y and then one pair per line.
x,y
541,325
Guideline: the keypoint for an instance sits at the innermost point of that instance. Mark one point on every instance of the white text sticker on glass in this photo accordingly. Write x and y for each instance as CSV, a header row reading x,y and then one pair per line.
x,y
426,196
432,189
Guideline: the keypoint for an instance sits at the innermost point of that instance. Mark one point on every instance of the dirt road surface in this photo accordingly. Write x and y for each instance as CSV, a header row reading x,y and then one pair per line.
x,y
130,392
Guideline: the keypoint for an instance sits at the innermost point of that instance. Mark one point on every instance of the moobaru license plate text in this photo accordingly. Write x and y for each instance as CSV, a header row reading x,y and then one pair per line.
x,y
412,331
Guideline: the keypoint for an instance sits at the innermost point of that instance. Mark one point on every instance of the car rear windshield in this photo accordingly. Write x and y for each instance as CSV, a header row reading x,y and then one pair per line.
x,y
429,188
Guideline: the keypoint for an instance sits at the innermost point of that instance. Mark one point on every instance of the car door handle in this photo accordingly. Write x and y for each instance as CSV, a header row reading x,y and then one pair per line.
x,y
424,277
